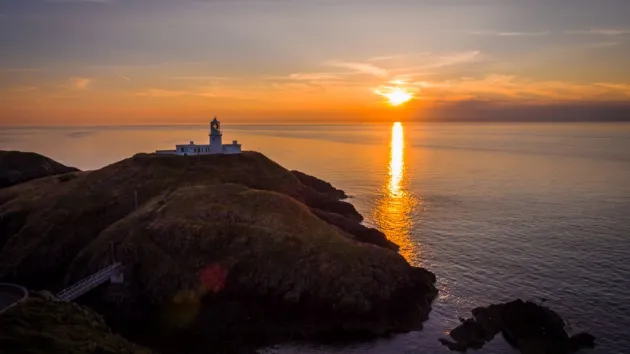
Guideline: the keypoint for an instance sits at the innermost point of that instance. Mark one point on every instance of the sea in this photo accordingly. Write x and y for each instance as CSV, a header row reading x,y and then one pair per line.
x,y
537,211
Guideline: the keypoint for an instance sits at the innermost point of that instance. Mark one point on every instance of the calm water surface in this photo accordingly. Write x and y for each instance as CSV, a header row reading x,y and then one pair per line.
x,y
496,211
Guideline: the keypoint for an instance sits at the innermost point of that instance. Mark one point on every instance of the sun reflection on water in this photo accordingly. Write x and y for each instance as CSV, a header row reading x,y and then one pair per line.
x,y
396,162
393,213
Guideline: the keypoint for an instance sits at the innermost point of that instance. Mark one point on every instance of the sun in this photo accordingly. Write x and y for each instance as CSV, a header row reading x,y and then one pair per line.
x,y
396,96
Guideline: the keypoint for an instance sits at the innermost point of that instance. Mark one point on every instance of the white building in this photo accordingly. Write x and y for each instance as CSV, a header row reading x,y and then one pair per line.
x,y
215,145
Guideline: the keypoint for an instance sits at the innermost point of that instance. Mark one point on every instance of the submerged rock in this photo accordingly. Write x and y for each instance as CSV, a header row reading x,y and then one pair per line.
x,y
217,248
529,327
18,167
48,327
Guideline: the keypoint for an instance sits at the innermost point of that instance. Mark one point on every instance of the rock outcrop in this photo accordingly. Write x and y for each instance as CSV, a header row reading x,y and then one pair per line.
x,y
529,327
18,167
215,247
47,327
319,185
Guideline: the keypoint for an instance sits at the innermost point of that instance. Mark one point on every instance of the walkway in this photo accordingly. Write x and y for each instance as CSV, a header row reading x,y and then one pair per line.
x,y
111,273
11,294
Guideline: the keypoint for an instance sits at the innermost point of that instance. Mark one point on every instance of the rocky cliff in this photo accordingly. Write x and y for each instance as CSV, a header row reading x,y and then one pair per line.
x,y
529,327
17,167
47,327
215,247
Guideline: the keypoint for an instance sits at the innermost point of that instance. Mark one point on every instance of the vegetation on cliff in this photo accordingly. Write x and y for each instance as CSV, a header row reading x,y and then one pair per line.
x,y
17,167
215,247
48,327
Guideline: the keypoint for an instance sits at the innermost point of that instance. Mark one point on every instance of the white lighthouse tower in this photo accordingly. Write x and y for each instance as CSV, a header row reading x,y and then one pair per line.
x,y
215,145
216,137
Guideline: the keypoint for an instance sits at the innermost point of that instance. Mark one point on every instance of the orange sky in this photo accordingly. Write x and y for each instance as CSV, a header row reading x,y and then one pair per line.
x,y
110,62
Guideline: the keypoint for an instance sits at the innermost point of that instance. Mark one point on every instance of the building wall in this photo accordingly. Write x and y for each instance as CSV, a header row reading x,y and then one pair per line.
x,y
192,149
231,148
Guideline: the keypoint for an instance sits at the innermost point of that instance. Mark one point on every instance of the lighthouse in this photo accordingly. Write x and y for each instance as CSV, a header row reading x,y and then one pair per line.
x,y
216,140
215,145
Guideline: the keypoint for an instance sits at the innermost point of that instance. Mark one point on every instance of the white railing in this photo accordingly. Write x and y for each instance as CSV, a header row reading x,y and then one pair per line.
x,y
77,289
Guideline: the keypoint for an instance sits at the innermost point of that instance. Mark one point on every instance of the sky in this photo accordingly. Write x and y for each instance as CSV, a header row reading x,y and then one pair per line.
x,y
137,62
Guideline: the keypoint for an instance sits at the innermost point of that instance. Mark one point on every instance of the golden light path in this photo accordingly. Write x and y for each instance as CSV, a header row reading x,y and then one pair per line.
x,y
393,213
396,161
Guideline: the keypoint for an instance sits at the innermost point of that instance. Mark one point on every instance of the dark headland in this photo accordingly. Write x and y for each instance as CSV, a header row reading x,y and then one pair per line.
x,y
18,167
220,251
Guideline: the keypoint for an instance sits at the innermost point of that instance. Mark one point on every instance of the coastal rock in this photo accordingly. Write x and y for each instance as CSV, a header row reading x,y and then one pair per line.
x,y
47,327
216,248
529,327
319,185
18,167
357,231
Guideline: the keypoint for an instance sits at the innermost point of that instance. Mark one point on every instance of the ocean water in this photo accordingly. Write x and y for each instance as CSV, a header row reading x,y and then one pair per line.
x,y
496,211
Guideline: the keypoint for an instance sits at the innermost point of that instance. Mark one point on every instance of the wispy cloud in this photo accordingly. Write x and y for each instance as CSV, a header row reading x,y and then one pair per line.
x,y
116,73
384,58
195,78
603,44
313,76
519,88
624,88
21,70
455,58
25,89
510,34
601,31
363,68
429,62
80,134
314,82
167,93
79,1
162,93
80,83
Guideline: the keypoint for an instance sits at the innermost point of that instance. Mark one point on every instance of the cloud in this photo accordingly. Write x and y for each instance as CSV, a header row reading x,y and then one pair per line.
x,y
154,92
80,134
313,76
193,78
432,61
21,70
603,44
363,68
166,93
79,1
601,31
25,89
510,34
517,88
455,58
495,111
80,83
126,78
384,58
625,88
309,82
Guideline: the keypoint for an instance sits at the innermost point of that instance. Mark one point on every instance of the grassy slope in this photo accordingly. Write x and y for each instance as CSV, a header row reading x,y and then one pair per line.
x,y
17,167
38,326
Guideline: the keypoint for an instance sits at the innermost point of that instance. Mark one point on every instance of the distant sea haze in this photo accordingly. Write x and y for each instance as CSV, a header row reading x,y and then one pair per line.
x,y
497,211
486,111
